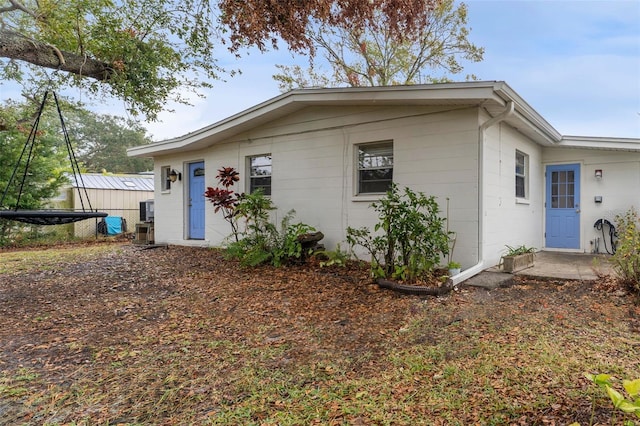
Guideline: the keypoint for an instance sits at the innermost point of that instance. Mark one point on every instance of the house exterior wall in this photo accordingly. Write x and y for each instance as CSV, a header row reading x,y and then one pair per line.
x,y
314,170
509,220
439,149
618,186
170,206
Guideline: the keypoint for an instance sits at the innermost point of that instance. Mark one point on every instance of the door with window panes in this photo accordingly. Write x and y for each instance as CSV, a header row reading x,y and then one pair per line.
x,y
562,206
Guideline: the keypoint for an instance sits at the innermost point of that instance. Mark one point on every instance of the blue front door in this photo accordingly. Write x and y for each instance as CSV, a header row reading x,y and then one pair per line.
x,y
196,201
563,206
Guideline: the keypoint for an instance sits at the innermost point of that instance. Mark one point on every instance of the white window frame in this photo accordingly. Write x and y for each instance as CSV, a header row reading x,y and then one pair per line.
x,y
359,150
522,173
165,181
253,176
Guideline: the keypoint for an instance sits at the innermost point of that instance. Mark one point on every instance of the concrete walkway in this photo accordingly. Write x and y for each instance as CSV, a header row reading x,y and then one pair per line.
x,y
569,266
549,264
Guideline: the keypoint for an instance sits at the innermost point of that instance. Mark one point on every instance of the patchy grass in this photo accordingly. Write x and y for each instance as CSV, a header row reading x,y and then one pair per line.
x,y
29,261
180,336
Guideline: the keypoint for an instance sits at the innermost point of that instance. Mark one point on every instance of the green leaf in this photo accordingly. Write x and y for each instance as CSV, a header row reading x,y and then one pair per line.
x,y
616,397
599,379
628,407
632,387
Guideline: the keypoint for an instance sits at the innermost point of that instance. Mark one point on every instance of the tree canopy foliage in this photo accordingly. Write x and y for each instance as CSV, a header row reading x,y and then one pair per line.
x,y
372,56
144,51
141,51
103,139
99,143
49,158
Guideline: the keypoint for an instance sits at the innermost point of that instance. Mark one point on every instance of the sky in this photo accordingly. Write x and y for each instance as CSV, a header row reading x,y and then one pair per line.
x,y
576,62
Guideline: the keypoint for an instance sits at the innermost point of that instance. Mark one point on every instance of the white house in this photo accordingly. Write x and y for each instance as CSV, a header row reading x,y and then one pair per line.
x,y
510,178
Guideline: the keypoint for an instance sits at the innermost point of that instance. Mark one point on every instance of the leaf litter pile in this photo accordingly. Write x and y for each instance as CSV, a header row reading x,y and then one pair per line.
x,y
119,334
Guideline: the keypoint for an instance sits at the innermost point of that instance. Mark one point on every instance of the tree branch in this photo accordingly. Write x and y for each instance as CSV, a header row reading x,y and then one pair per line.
x,y
16,5
14,45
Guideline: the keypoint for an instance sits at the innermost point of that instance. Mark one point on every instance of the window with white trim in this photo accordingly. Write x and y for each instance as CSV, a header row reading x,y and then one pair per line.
x,y
522,175
165,179
375,167
260,173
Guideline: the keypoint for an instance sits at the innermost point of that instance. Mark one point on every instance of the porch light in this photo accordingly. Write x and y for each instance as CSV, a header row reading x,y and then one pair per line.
x,y
174,176
598,173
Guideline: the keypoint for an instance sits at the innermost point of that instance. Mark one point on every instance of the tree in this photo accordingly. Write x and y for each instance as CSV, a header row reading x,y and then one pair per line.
x,y
141,51
372,56
49,159
102,141
144,51
254,22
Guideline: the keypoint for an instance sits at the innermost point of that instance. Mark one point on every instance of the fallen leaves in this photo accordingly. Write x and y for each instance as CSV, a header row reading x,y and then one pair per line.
x,y
180,335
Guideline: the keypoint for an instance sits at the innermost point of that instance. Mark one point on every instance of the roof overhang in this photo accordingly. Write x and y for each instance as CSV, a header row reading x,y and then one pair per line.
x,y
526,119
608,144
492,96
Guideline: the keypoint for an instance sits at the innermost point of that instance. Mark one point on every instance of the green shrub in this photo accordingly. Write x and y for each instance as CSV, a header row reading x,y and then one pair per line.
x,y
453,265
286,248
626,260
337,257
260,241
264,243
410,239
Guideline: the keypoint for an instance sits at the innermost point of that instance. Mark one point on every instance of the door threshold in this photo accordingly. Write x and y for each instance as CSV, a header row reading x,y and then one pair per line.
x,y
563,250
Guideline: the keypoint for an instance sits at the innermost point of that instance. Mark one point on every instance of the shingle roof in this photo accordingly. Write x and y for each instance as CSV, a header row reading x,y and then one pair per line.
x,y
116,182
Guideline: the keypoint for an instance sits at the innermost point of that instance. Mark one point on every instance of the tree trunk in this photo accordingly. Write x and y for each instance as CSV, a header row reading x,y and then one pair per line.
x,y
14,45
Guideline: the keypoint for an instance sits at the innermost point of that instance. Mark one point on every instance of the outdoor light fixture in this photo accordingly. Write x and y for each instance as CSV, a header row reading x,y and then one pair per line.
x,y
174,176
598,173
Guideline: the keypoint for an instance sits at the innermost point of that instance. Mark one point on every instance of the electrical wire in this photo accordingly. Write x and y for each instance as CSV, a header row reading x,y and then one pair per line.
x,y
599,225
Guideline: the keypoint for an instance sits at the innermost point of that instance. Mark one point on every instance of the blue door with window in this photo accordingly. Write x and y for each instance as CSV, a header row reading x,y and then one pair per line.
x,y
563,206
196,201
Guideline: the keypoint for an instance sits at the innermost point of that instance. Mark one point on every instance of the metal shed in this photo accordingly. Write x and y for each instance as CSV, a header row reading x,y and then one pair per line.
x,y
118,195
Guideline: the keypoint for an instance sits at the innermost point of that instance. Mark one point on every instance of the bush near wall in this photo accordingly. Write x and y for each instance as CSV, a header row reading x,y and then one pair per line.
x,y
626,260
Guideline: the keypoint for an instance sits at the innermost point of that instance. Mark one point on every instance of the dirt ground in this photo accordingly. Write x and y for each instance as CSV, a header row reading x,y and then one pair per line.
x,y
56,321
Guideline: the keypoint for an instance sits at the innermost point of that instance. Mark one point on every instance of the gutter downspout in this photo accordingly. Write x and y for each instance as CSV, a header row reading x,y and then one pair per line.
x,y
479,267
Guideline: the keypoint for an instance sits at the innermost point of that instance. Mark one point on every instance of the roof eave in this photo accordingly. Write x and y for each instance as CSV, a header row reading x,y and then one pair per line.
x,y
227,124
594,142
539,129
495,93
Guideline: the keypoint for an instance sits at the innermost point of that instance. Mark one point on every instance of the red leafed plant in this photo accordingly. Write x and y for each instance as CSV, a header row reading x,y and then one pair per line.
x,y
224,199
227,176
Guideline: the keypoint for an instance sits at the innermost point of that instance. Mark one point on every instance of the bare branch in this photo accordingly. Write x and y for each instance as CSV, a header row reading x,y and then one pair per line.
x,y
16,5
